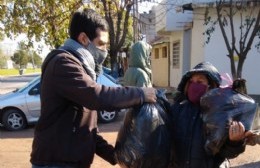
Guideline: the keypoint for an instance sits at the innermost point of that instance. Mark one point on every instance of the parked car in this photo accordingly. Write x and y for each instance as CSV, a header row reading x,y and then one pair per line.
x,y
22,106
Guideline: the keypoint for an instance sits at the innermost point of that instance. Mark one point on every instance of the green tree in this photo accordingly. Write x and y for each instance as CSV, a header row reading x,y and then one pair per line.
x,y
39,19
117,15
35,59
49,20
3,10
20,58
249,29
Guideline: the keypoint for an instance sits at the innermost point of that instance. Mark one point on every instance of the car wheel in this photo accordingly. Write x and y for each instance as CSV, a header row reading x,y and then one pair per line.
x,y
107,117
14,120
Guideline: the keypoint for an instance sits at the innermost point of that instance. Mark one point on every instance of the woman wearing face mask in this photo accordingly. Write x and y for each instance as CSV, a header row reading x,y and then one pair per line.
x,y
187,129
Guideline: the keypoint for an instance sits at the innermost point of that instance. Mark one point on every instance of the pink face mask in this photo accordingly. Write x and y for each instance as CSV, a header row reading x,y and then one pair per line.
x,y
195,91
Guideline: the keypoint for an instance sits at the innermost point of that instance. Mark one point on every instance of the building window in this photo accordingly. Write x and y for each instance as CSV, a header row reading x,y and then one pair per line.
x,y
176,55
164,52
156,53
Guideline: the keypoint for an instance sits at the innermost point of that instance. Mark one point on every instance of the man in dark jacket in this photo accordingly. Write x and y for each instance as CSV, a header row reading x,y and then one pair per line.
x,y
187,130
66,133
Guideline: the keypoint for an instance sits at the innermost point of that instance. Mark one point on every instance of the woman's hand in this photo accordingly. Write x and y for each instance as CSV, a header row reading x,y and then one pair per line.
x,y
237,131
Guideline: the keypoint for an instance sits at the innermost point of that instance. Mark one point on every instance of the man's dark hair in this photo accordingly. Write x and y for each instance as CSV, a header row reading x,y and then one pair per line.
x,y
87,21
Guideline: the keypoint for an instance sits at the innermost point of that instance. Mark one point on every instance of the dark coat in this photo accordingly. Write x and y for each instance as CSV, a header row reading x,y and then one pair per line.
x,y
187,127
66,133
188,139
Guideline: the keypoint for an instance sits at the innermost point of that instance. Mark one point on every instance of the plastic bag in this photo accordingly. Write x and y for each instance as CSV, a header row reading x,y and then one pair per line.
x,y
254,138
144,139
256,122
220,107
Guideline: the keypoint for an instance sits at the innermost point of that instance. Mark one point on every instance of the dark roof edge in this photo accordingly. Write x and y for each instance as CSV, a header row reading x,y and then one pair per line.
x,y
191,6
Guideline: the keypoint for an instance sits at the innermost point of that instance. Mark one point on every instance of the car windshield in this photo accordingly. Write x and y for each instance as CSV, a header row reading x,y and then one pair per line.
x,y
28,85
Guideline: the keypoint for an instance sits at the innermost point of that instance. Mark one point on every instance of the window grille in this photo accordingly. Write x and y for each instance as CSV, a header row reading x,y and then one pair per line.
x,y
176,55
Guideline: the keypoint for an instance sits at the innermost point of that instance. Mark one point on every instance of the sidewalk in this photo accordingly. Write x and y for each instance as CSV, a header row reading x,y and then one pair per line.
x,y
15,149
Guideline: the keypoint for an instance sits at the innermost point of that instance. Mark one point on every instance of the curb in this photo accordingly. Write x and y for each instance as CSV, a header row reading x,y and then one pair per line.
x,y
30,74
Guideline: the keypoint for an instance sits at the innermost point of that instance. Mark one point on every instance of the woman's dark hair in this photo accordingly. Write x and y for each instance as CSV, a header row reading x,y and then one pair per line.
x,y
87,21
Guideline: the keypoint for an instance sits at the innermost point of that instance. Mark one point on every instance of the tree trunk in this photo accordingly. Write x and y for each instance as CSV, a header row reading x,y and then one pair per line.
x,y
113,62
232,67
240,66
118,27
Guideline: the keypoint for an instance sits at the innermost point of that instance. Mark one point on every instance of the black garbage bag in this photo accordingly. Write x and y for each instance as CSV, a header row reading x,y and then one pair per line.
x,y
220,107
144,138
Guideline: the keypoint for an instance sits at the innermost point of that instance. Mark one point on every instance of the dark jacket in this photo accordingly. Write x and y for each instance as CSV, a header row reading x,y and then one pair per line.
x,y
187,128
66,133
188,139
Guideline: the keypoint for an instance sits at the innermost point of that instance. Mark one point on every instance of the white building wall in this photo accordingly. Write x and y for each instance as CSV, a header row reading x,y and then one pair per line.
x,y
147,25
197,40
160,19
176,74
215,52
177,20
186,50
9,64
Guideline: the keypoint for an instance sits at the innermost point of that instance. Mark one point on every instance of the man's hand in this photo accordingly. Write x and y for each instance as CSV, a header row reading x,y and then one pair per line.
x,y
237,131
149,95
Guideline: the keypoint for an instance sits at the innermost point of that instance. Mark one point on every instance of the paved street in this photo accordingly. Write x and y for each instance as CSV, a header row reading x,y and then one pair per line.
x,y
8,84
15,147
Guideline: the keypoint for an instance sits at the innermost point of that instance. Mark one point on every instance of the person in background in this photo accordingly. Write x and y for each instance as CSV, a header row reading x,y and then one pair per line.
x,y
125,55
187,125
66,135
120,57
139,70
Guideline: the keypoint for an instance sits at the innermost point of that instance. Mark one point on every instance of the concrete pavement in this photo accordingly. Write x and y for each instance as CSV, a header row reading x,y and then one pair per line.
x,y
10,83
15,147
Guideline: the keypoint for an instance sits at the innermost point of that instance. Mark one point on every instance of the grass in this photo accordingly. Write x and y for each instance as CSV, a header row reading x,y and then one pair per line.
x,y
10,72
